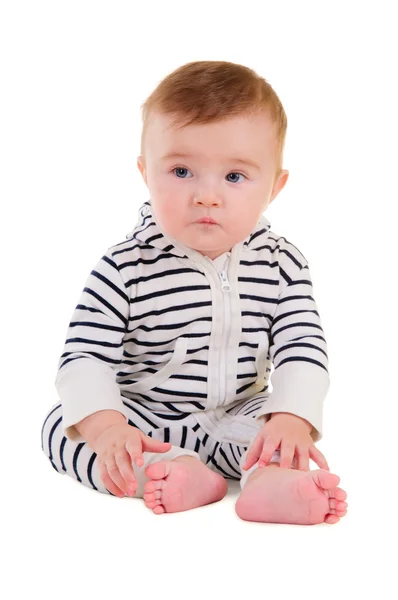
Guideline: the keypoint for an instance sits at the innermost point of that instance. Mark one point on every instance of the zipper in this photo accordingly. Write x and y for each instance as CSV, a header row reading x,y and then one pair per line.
x,y
225,286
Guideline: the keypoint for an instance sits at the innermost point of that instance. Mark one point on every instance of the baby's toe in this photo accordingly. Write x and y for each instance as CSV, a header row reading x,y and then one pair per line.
x,y
152,496
338,493
152,504
336,512
337,504
152,486
158,510
331,519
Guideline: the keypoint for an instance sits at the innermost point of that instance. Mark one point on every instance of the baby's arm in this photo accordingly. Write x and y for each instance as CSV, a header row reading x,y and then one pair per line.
x,y
86,379
298,351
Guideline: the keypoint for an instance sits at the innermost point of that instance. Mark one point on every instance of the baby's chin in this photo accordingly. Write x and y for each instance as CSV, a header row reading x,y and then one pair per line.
x,y
211,243
205,245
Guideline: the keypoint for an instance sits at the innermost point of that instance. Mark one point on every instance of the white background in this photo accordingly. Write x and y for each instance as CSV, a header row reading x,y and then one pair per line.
x,y
73,77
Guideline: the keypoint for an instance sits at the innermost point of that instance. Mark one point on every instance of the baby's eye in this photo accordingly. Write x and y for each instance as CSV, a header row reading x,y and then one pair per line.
x,y
236,174
179,169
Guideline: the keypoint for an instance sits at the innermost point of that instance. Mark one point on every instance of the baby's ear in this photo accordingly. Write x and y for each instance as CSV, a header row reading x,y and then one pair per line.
x,y
279,185
141,166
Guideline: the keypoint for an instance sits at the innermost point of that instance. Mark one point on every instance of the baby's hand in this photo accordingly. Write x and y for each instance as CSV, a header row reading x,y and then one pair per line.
x,y
116,447
292,434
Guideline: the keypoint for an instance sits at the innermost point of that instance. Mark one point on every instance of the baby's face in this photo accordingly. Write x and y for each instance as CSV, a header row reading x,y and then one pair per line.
x,y
202,171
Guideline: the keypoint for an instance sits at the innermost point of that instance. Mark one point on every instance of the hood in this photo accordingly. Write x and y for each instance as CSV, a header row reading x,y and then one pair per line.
x,y
149,233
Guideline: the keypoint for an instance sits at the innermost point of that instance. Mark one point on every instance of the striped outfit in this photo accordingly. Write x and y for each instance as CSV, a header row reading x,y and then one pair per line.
x,y
184,346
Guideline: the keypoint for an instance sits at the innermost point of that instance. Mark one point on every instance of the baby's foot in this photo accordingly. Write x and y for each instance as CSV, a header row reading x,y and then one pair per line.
x,y
181,484
275,495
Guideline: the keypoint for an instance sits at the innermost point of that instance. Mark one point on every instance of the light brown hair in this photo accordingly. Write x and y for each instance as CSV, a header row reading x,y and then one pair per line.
x,y
204,91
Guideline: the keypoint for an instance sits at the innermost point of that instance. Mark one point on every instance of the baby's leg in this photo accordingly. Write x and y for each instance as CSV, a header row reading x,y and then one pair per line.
x,y
79,461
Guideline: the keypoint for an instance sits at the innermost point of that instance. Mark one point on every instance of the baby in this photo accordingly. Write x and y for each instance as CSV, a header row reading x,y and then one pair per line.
x,y
164,379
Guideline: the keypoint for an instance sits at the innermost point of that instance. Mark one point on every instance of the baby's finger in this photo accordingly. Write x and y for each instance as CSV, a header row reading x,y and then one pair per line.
x,y
123,462
269,448
287,454
318,457
115,475
151,445
303,461
135,451
108,483
254,452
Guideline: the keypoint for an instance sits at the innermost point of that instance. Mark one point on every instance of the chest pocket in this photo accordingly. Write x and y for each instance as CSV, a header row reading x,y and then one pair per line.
x,y
147,383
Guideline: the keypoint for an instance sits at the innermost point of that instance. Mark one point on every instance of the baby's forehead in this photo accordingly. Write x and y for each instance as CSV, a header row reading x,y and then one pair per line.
x,y
173,124
230,137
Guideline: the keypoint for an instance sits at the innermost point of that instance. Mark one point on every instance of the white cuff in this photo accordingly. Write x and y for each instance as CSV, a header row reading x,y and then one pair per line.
x,y
86,386
298,388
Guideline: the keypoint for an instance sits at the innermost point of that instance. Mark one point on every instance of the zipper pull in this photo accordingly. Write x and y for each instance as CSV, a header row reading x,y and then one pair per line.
x,y
224,281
